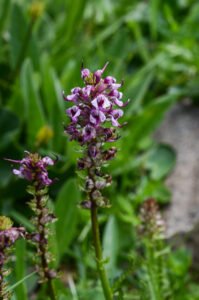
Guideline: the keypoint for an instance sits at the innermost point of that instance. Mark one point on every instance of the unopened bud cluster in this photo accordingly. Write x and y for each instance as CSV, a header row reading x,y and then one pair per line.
x,y
152,224
41,220
8,236
93,122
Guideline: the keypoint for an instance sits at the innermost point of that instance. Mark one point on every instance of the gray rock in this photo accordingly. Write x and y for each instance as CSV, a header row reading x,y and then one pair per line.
x,y
180,129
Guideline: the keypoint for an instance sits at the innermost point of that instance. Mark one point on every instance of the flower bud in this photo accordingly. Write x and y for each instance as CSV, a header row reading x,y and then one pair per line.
x,y
87,76
93,150
100,184
98,74
36,9
108,179
110,153
86,204
53,273
109,133
96,195
89,184
35,237
98,172
81,164
5,223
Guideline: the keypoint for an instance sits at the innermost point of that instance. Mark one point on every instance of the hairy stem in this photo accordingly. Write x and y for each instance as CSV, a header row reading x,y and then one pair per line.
x,y
42,250
98,252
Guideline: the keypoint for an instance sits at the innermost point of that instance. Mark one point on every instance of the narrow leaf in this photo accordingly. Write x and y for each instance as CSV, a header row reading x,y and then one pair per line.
x,y
21,219
12,287
110,245
66,212
20,268
18,28
34,113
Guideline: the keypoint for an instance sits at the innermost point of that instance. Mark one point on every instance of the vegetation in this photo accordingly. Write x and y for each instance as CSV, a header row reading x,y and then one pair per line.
x,y
154,47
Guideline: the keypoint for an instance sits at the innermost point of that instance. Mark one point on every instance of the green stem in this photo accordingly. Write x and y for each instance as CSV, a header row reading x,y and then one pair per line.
x,y
98,252
51,290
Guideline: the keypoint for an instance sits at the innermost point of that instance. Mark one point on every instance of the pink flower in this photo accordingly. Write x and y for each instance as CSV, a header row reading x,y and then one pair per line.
x,y
101,102
115,115
33,168
94,107
73,113
88,132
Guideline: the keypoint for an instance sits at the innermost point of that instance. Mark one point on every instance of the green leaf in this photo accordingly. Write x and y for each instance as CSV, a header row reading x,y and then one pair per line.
x,y
161,160
138,90
18,28
61,290
53,247
66,212
155,189
34,112
180,261
76,9
4,9
95,294
54,104
154,18
63,297
51,87
21,35
12,287
11,151
146,121
110,245
9,124
21,219
20,269
141,43
75,14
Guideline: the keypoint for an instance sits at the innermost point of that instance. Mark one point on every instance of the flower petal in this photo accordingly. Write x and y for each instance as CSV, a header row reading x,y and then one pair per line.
x,y
48,161
73,97
88,132
109,80
101,101
18,173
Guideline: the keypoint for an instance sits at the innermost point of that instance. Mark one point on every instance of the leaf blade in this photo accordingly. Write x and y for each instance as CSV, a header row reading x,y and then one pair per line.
x,y
66,212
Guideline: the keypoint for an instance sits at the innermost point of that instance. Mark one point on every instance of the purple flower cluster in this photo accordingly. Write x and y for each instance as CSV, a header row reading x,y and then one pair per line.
x,y
8,236
33,168
95,104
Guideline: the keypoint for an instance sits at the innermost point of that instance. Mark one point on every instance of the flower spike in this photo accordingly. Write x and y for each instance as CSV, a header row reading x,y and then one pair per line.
x,y
96,107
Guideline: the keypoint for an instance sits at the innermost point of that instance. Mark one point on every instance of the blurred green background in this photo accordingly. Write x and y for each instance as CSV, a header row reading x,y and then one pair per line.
x,y
152,45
